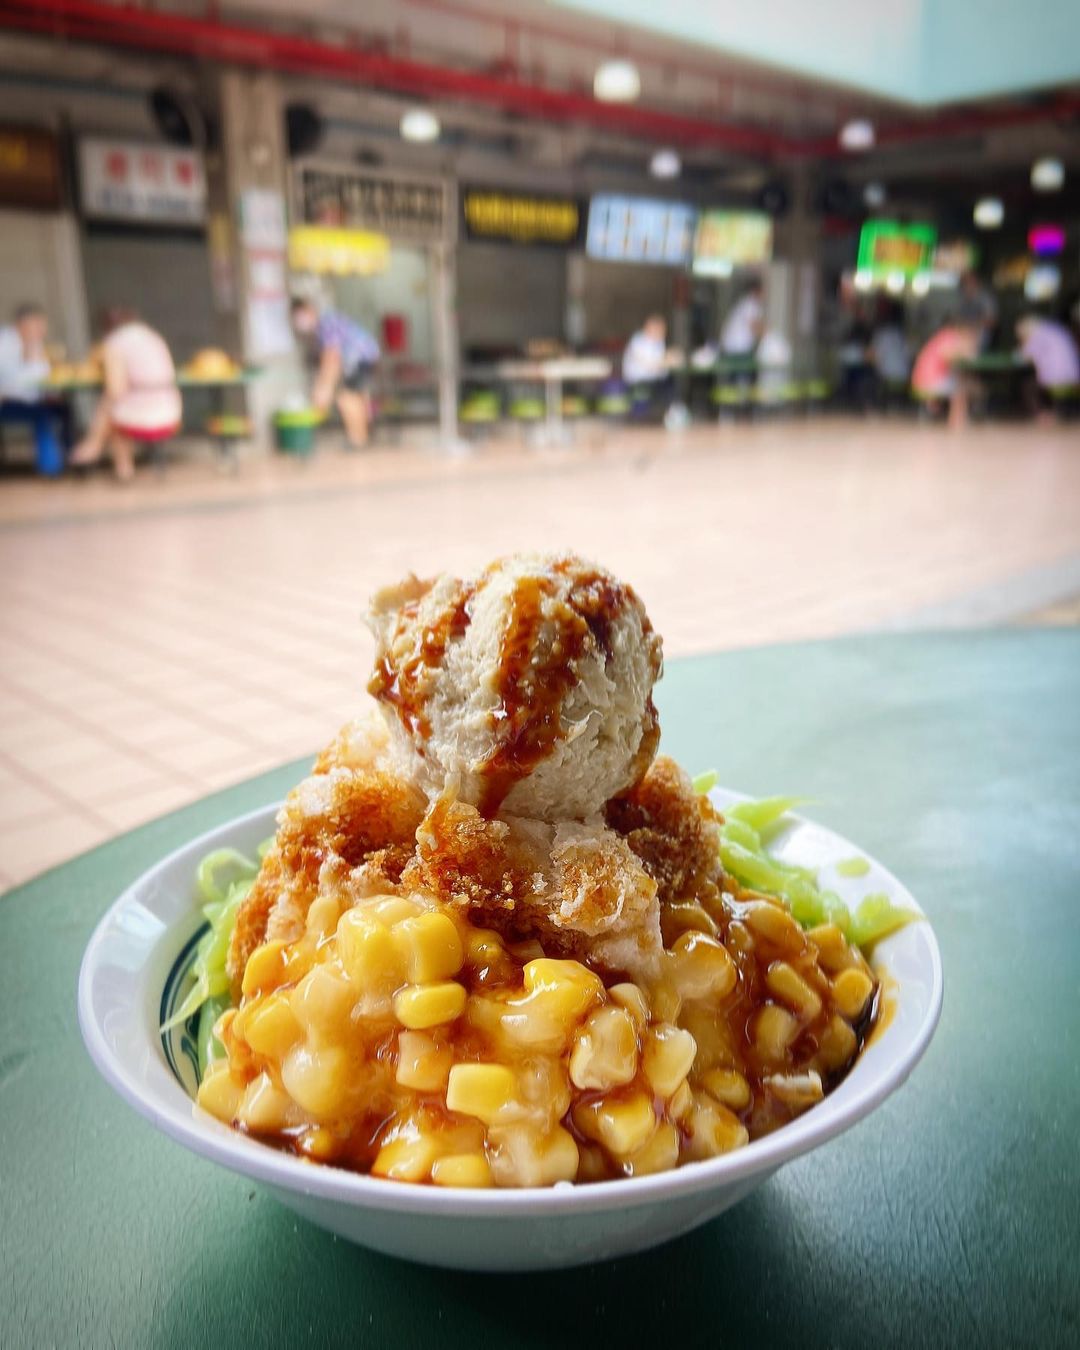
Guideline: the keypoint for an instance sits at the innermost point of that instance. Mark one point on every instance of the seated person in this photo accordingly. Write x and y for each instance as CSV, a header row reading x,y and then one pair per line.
x,y
934,377
646,366
1052,350
744,323
345,356
24,368
141,401
888,350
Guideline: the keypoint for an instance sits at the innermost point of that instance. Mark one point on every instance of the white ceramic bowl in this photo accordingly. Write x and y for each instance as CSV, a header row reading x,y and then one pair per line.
x,y
131,972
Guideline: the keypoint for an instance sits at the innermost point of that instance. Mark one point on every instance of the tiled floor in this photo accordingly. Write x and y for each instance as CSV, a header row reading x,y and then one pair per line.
x,y
165,640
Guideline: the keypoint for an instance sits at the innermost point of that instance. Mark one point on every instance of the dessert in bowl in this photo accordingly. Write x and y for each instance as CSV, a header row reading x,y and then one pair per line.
x,y
501,959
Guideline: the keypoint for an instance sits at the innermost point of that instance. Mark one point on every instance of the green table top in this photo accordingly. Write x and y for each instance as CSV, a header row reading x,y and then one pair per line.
x,y
951,1215
994,363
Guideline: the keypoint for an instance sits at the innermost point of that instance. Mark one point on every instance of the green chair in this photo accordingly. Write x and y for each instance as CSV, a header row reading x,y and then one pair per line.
x,y
227,430
613,404
573,405
481,408
526,408
731,398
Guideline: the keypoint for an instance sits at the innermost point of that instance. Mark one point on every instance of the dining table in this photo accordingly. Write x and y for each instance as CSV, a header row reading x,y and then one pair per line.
x,y
950,1215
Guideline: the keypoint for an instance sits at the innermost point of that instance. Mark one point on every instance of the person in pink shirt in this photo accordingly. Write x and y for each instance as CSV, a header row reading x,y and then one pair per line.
x,y
141,402
934,376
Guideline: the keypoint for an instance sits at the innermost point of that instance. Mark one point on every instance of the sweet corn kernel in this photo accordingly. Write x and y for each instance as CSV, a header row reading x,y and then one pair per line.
x,y
715,1045
322,916
265,967
621,1124
630,997
522,1157
317,1143
687,916
660,1154
787,984
774,1031
729,1088
368,952
266,1109
321,1003
834,953
406,1158
850,991
429,1005
461,1169
481,1090
713,1130
271,1028
798,1090
738,939
837,1043
542,1089
774,924
559,993
681,1103
667,1056
704,968
578,987
430,946
605,1050
317,1080
422,1064
392,909
220,1094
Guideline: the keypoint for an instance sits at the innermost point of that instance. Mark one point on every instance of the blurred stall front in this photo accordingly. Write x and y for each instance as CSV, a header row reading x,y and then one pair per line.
x,y
377,245
512,269
40,260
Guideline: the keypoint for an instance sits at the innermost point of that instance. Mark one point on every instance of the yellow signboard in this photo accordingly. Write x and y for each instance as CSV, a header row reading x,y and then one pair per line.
x,y
521,217
338,252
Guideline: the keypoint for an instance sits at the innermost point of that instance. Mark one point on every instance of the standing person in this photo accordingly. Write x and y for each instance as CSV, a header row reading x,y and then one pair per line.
x,y
745,322
978,307
934,377
24,368
1051,349
346,356
141,402
889,352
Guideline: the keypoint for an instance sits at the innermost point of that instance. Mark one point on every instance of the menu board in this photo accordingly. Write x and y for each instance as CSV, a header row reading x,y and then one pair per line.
x,y
506,216
727,239
887,247
141,181
641,230
404,207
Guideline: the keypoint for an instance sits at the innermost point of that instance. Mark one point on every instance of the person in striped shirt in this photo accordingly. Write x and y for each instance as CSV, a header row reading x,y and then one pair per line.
x,y
345,359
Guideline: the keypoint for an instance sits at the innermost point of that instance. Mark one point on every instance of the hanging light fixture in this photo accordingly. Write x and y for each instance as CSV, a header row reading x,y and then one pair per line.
x,y
858,134
616,81
989,213
1047,175
874,196
665,164
420,124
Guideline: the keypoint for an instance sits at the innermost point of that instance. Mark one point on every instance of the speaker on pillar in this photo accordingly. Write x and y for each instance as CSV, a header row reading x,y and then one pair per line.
x,y
774,198
303,129
180,119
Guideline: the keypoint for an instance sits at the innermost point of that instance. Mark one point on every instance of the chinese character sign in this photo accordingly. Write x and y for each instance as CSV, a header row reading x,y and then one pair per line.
x,y
134,181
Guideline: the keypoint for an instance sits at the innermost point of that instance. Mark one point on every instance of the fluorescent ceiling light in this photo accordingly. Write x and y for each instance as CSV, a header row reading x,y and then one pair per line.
x,y
894,283
616,82
920,283
857,134
665,164
989,213
864,281
874,195
1047,175
420,124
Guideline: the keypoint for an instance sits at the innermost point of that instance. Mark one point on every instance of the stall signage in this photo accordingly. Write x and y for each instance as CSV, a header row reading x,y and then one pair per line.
x,y
407,208
141,182
729,239
887,247
508,217
641,229
29,168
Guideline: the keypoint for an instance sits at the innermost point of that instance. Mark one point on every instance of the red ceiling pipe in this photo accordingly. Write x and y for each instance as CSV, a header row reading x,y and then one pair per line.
x,y
209,39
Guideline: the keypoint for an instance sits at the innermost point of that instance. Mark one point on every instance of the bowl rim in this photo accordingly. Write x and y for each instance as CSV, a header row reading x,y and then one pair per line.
x,y
184,1121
